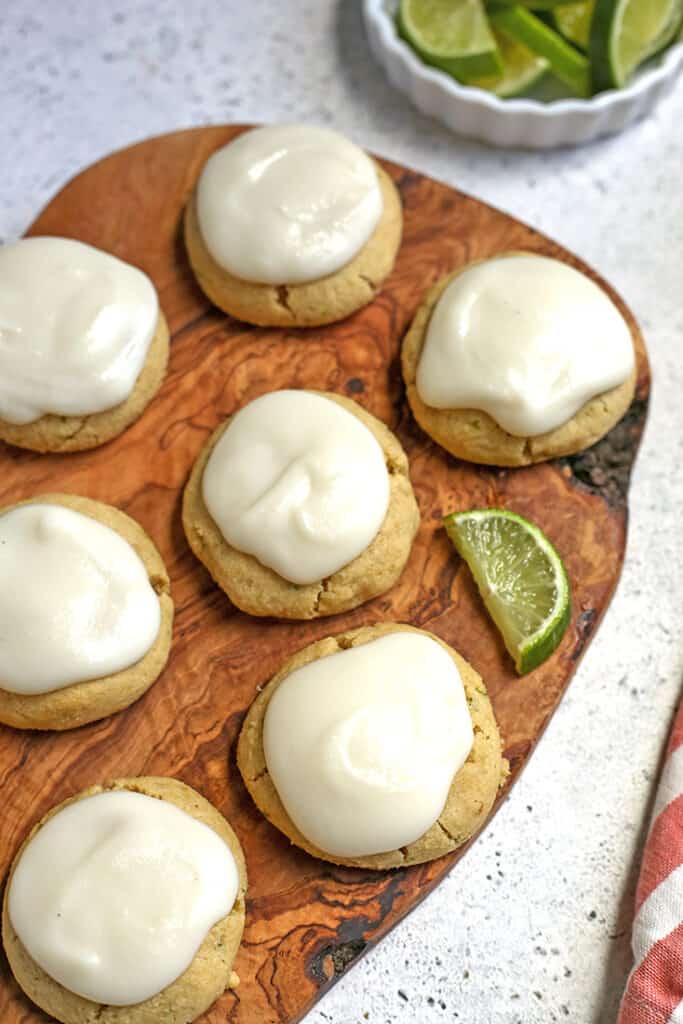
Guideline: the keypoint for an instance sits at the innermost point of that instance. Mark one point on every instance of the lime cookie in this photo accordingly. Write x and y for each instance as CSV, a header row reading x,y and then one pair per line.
x,y
83,344
377,748
292,226
125,905
86,612
301,505
518,359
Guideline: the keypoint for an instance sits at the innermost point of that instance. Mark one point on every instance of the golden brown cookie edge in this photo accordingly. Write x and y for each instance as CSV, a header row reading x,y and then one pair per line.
x,y
84,702
314,303
474,436
177,1003
259,591
466,807
60,434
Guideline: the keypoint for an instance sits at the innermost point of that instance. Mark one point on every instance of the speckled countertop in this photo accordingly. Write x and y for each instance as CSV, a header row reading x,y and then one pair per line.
x,y
533,926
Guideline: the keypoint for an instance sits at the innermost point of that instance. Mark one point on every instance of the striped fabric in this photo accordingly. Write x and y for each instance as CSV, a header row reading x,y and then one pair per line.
x,y
654,991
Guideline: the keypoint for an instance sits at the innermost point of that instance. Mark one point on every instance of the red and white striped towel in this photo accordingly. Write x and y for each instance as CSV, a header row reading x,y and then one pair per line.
x,y
654,991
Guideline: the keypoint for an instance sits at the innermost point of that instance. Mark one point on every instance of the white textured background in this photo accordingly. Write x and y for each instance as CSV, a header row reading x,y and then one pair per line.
x,y
533,925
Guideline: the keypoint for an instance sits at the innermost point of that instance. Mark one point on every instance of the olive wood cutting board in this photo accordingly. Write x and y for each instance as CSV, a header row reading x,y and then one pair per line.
x,y
307,921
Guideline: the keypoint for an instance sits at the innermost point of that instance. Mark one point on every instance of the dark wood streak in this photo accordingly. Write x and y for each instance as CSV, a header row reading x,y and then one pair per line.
x,y
306,921
605,469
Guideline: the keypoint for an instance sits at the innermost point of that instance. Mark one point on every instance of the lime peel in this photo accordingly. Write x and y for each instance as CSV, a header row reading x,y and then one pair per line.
x,y
522,70
625,33
521,579
570,66
452,35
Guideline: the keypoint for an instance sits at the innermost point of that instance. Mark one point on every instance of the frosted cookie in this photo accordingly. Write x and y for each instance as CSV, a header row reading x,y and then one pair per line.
x,y
377,748
85,608
300,505
292,225
125,905
518,359
83,344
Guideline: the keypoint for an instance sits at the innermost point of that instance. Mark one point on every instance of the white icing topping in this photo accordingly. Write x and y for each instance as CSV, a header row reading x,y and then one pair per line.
x,y
115,894
362,745
298,482
287,204
75,600
75,328
527,339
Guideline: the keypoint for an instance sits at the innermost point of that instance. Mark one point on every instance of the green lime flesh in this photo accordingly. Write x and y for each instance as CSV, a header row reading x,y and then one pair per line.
x,y
452,35
521,579
566,63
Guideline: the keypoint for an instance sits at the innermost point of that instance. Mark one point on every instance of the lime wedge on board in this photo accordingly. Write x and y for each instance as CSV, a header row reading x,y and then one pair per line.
x,y
520,577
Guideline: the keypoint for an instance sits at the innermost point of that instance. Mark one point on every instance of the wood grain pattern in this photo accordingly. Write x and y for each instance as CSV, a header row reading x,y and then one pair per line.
x,y
306,920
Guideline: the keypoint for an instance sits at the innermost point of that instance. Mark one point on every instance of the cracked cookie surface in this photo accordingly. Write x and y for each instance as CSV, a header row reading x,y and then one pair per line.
x,y
258,590
53,433
473,435
473,789
311,304
97,698
207,977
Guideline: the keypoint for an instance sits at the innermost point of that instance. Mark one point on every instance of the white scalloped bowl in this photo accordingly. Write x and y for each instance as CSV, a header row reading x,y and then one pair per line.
x,y
527,123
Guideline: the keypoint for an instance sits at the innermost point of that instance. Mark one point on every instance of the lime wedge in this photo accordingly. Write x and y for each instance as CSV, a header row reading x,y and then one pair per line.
x,y
565,61
574,22
535,5
453,35
624,33
522,69
520,577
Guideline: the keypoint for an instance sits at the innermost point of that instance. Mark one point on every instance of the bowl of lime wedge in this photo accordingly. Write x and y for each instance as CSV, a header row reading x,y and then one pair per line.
x,y
530,73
